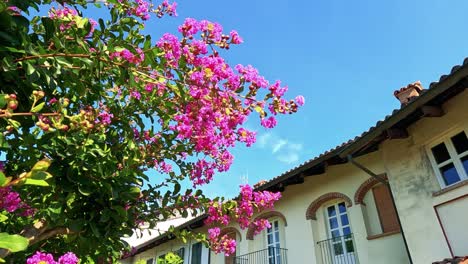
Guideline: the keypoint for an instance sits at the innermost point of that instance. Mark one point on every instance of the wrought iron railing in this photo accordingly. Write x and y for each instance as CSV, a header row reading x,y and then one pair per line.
x,y
338,250
270,255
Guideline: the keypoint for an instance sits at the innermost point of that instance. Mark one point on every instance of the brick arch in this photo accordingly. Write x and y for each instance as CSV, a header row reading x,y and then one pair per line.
x,y
315,205
229,230
266,215
365,187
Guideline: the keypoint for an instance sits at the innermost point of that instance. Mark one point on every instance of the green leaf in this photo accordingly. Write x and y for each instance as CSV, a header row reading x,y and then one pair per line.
x,y
2,178
49,27
176,189
3,102
3,218
3,143
80,23
13,243
29,69
38,107
36,182
42,165
10,49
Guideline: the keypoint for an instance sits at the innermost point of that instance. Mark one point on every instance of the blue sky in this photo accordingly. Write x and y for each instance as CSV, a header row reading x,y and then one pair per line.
x,y
345,57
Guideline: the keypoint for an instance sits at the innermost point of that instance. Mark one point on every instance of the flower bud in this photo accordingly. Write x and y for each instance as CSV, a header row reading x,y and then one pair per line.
x,y
13,104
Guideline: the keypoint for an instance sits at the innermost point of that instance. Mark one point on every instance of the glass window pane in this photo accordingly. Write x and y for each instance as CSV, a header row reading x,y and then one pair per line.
x,y
349,246
278,259
271,260
181,252
440,153
464,161
342,207
450,174
333,223
196,253
335,233
331,211
344,220
460,142
277,237
338,249
346,231
270,239
276,225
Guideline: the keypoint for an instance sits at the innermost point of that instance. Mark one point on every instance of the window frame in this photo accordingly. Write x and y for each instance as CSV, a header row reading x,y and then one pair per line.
x,y
277,250
455,158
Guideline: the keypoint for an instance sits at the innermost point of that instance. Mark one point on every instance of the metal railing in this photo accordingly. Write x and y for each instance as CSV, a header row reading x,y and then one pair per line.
x,y
338,250
269,255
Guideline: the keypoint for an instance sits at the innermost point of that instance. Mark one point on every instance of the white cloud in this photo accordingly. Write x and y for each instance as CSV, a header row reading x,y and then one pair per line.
x,y
263,139
283,149
289,158
276,146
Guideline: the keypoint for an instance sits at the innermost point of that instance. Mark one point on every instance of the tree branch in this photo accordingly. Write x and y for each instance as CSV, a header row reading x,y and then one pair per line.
x,y
38,232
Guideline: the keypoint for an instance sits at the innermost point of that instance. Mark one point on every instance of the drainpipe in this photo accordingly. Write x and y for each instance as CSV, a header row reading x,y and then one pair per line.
x,y
387,184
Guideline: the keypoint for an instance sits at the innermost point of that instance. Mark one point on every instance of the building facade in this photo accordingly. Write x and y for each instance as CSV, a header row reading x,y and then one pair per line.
x,y
396,194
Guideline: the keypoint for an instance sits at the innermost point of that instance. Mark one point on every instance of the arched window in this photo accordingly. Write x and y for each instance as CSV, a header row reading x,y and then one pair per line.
x,y
266,215
271,242
311,212
378,209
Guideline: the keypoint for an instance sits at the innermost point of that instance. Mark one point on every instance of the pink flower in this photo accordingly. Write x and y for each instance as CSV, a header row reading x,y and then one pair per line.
x,y
135,94
68,258
189,28
171,47
235,38
214,233
53,101
105,118
41,258
269,122
171,9
9,200
300,100
15,11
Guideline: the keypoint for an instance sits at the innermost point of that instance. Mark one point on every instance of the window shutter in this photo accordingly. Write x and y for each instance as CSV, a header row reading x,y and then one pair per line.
x,y
385,208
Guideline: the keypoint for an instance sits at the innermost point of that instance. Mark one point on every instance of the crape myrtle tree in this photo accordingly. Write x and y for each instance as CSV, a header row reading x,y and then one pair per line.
x,y
88,108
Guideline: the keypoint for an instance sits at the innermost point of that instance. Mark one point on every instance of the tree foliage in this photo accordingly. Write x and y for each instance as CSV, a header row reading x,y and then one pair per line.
x,y
90,108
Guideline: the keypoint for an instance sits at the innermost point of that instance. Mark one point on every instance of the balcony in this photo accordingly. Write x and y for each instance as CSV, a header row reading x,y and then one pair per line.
x,y
338,250
270,255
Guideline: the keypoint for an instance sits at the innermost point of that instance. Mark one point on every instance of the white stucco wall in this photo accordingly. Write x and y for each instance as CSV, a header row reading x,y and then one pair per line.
x,y
413,180
413,183
300,236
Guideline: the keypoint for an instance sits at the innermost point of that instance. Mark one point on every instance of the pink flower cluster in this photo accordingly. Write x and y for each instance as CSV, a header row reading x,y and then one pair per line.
x,y
47,258
211,120
250,200
141,9
170,9
15,11
221,243
11,202
248,203
126,55
68,17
